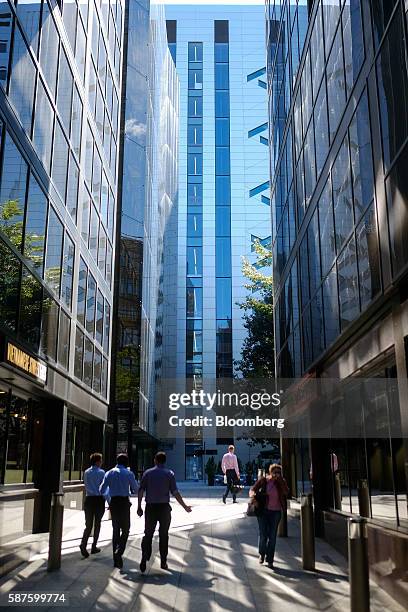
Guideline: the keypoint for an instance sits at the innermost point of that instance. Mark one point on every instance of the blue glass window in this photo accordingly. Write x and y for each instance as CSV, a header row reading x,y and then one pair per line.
x,y
36,218
223,221
195,135
223,256
12,192
221,76
194,302
353,41
195,194
195,106
223,298
195,164
222,108
361,158
195,51
222,160
195,78
222,132
222,190
53,252
194,261
194,229
221,52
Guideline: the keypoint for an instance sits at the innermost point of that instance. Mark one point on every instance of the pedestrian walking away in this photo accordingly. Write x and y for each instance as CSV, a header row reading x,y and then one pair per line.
x,y
157,483
230,468
94,505
270,493
119,482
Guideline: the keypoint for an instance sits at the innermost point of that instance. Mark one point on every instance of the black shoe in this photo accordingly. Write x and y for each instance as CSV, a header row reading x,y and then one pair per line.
x,y
224,499
164,565
270,564
234,501
95,550
84,552
118,561
261,558
143,565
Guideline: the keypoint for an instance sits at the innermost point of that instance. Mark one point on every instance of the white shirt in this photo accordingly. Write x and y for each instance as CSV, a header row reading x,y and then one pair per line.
x,y
229,462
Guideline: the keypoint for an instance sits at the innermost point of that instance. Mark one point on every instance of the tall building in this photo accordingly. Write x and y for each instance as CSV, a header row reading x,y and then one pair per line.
x,y
60,80
339,219
147,204
223,203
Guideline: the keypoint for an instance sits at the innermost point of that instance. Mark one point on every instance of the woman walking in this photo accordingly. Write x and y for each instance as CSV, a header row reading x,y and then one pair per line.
x,y
270,493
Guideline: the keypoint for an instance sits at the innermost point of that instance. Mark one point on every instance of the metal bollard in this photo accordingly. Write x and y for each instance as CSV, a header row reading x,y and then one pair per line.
x,y
307,532
337,492
283,524
363,498
55,539
358,565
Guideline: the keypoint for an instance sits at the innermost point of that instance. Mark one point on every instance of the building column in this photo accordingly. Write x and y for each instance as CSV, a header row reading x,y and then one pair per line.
x,y
52,470
322,481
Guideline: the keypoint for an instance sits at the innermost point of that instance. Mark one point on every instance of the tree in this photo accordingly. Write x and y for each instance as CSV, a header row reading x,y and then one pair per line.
x,y
257,355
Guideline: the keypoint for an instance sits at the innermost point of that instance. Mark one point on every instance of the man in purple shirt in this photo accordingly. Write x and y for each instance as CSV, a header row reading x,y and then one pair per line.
x,y
157,483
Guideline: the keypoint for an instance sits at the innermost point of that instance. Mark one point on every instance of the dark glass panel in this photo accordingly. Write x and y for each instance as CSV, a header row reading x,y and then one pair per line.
x,y
22,81
361,158
49,327
348,284
12,193
194,302
368,257
64,339
9,285
35,222
53,255
30,309
393,89
90,305
223,298
67,271
326,224
342,198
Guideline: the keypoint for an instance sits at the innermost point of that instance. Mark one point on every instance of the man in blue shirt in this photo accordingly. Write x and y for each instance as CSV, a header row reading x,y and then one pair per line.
x,y
157,482
94,506
121,482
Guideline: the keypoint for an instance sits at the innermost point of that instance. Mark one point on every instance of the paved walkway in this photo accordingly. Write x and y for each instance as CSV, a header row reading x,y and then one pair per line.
x,y
213,566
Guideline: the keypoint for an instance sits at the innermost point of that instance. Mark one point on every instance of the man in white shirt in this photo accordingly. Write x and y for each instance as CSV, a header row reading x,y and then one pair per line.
x,y
229,466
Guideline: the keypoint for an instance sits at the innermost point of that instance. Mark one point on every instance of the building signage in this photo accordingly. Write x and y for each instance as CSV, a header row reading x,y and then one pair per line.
x,y
25,362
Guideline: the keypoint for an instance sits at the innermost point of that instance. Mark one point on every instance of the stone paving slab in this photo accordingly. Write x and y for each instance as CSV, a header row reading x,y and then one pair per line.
x,y
213,565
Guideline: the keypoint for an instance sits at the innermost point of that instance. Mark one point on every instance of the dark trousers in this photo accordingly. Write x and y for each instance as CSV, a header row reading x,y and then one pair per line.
x,y
232,480
120,512
268,523
156,513
94,508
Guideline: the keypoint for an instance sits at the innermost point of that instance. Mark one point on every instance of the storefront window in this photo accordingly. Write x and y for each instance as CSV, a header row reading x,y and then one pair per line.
x,y
17,441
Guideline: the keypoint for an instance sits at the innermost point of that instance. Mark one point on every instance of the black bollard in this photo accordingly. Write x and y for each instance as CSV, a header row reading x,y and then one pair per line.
x,y
283,524
363,498
358,565
55,539
307,532
337,492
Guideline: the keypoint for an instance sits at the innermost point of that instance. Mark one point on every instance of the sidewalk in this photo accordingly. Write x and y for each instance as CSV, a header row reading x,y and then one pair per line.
x,y
213,565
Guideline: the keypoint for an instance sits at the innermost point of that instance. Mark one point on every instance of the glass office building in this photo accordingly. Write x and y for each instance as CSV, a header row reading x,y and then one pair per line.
x,y
223,204
339,204
60,75
145,267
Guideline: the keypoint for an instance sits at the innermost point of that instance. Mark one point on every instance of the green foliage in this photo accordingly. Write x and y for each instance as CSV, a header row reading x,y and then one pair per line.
x,y
127,374
211,467
257,355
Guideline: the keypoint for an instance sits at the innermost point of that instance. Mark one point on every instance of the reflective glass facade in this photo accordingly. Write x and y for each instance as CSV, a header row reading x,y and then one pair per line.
x,y
338,132
223,185
60,78
147,194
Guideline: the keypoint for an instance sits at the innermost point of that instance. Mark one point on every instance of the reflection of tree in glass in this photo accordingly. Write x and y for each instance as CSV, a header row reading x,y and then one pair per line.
x,y
11,221
257,355
9,280
127,374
